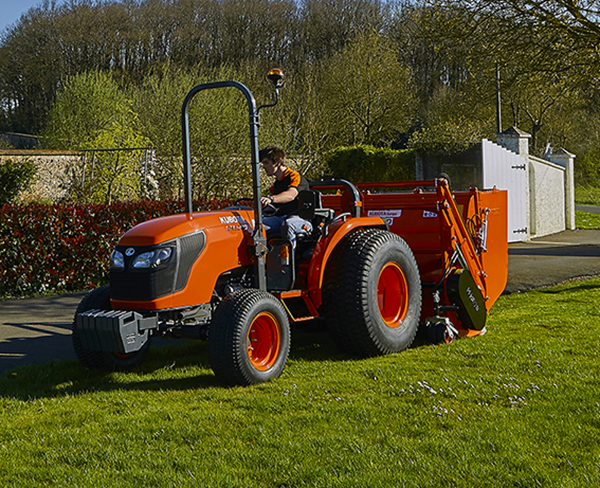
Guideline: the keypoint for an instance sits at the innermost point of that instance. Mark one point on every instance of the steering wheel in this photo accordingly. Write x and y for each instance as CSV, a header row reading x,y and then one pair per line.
x,y
269,209
238,202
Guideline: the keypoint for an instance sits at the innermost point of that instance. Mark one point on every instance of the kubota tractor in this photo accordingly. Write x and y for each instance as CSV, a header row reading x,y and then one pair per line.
x,y
382,259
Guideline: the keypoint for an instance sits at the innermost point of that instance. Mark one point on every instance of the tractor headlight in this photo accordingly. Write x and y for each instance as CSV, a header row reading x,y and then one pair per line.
x,y
117,260
152,259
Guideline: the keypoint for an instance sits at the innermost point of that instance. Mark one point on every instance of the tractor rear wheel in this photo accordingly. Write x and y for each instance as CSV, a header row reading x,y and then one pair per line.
x,y
372,294
249,338
109,361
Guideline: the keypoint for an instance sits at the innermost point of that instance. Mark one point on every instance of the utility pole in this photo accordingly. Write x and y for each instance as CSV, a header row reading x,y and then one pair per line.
x,y
498,101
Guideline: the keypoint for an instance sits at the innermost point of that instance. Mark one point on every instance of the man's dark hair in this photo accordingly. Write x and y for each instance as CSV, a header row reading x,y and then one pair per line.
x,y
272,152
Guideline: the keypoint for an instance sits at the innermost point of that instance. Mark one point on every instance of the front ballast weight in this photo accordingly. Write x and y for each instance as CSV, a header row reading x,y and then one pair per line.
x,y
120,331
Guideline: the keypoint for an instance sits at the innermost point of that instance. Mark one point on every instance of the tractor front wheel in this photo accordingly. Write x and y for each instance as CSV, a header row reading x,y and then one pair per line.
x,y
249,338
110,361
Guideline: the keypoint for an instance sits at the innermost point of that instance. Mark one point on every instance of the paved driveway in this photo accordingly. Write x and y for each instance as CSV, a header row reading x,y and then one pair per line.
x,y
38,330
553,259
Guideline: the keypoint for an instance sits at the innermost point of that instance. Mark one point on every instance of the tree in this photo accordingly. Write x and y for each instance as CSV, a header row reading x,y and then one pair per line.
x,y
367,95
329,25
476,38
298,123
578,19
133,39
92,112
218,132
87,104
118,175
30,69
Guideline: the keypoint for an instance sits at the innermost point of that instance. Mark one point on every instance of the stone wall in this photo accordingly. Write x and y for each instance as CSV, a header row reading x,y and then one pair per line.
x,y
57,173
546,197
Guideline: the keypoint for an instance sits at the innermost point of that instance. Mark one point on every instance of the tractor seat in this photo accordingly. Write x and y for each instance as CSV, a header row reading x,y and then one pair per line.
x,y
310,207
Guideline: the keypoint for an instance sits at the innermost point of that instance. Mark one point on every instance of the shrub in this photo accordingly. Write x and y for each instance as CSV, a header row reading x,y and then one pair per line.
x,y
15,177
5,143
60,248
367,163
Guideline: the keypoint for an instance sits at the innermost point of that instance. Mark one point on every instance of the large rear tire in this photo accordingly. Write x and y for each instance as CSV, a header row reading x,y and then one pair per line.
x,y
372,294
109,361
249,338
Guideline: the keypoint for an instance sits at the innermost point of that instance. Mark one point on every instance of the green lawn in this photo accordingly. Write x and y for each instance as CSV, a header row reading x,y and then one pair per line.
x,y
519,406
587,196
587,220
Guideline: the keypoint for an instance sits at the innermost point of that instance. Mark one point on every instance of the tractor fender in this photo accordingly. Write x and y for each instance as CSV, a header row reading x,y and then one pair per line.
x,y
326,245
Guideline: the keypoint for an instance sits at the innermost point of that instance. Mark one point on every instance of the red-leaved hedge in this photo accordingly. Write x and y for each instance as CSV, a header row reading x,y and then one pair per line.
x,y
61,248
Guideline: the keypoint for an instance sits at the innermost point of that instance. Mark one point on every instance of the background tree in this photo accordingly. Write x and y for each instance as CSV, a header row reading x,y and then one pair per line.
x,y
538,81
218,131
441,55
92,112
367,94
87,104
117,175
328,25
30,69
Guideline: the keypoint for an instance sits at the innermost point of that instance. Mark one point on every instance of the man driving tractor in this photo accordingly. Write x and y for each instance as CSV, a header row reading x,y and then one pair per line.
x,y
283,196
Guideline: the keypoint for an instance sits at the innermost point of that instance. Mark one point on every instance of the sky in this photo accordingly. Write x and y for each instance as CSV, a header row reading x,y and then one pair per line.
x,y
11,10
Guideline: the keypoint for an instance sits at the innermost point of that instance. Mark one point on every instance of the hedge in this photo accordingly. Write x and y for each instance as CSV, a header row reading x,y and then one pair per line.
x,y
61,248
367,163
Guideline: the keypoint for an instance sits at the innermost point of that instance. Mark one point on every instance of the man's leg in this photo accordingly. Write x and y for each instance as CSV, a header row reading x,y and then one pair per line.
x,y
296,226
273,225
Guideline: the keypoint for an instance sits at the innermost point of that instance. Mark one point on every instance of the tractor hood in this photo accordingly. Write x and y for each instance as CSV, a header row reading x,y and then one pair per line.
x,y
175,261
168,228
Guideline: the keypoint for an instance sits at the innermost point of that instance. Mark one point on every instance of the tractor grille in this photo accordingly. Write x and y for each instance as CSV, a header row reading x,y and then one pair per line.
x,y
189,249
150,284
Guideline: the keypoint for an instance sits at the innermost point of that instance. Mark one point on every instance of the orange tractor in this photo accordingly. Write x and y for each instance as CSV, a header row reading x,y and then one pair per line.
x,y
383,259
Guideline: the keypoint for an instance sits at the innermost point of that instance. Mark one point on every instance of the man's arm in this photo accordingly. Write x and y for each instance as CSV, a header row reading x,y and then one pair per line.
x,y
283,197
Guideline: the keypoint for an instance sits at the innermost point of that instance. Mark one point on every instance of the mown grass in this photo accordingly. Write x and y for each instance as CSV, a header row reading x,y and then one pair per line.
x,y
587,196
519,406
587,220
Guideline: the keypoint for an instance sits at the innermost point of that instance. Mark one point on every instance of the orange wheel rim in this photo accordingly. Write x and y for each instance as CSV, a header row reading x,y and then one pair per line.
x,y
264,341
392,295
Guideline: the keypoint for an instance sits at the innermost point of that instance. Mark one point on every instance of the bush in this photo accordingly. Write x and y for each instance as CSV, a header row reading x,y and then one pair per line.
x,y
61,248
15,177
5,143
367,163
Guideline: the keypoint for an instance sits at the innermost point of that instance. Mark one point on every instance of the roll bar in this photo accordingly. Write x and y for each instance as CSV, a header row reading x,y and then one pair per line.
x,y
259,243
